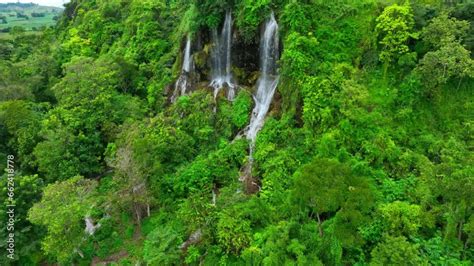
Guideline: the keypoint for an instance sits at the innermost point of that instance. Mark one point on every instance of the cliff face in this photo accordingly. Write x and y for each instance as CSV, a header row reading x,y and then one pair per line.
x,y
242,133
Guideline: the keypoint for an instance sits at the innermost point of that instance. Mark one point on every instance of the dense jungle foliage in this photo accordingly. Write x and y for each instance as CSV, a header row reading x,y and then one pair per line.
x,y
366,156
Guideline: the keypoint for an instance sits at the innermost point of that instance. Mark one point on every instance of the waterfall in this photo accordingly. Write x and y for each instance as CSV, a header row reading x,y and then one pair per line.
x,y
183,81
187,56
266,86
90,227
268,81
221,73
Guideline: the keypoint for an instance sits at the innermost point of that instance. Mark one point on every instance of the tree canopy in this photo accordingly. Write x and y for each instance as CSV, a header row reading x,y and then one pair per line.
x,y
364,156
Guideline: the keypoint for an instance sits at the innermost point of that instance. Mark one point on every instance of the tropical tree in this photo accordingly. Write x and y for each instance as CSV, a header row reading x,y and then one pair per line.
x,y
450,59
394,28
62,210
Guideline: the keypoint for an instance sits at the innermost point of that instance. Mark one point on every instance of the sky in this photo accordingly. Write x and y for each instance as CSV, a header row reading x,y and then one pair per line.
x,y
58,3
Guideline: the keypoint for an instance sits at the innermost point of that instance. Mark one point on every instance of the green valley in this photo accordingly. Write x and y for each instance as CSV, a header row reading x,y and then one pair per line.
x,y
28,17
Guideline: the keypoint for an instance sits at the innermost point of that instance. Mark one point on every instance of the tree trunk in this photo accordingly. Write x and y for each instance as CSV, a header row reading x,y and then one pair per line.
x,y
465,248
320,228
385,70
137,213
460,230
459,83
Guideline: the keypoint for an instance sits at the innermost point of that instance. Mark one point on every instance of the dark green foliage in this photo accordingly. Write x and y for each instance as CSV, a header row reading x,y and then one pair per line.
x,y
22,122
450,59
213,10
62,210
75,131
233,232
396,251
162,246
251,15
219,167
241,108
365,157
28,236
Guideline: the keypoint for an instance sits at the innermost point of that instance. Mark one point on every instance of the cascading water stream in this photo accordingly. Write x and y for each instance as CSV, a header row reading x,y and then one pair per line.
x,y
90,227
266,85
221,60
183,81
187,56
268,80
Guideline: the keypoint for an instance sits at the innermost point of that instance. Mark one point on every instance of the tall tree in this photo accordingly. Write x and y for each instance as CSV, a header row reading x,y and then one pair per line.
x,y
394,28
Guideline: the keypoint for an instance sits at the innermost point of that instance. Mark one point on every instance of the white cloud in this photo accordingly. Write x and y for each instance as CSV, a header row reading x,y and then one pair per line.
x,y
58,3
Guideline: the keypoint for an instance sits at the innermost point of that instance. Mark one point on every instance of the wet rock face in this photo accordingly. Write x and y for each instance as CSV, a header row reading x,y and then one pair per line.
x,y
245,59
201,66
245,55
202,38
201,55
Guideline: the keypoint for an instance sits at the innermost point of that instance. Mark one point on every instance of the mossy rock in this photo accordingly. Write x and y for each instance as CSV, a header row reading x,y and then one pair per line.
x,y
253,77
222,92
203,85
276,105
240,75
200,59
247,89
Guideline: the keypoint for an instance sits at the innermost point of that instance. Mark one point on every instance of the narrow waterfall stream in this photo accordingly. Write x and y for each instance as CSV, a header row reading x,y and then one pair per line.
x,y
90,227
221,60
266,86
183,81
268,80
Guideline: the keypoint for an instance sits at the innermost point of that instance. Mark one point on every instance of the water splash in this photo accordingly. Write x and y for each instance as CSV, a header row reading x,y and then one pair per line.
x,y
221,73
183,81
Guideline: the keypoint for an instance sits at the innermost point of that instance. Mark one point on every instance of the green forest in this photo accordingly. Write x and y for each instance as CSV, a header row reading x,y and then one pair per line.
x,y
240,132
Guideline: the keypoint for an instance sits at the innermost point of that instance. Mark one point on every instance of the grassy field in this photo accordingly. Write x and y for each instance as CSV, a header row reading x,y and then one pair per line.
x,y
30,23
6,35
21,15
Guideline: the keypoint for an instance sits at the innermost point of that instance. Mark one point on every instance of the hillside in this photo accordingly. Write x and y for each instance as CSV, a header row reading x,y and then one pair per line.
x,y
186,132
